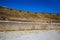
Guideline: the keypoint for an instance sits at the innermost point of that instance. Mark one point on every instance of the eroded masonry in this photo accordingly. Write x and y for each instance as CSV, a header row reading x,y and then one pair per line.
x,y
10,25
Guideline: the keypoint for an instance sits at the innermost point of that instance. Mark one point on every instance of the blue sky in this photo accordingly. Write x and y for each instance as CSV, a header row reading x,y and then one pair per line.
x,y
33,5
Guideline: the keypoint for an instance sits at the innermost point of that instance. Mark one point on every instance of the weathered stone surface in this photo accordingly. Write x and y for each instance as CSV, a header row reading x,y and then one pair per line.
x,y
28,26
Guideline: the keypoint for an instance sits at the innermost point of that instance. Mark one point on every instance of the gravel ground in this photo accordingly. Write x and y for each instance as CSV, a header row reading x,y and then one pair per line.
x,y
30,35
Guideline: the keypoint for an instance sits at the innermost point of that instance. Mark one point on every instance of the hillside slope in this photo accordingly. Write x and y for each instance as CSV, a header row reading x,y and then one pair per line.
x,y
25,16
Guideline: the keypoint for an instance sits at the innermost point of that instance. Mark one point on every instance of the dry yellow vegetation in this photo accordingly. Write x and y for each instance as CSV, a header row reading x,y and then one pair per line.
x,y
19,15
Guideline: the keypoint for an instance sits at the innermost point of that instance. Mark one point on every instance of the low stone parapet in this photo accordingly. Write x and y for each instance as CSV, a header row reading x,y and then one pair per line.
x,y
10,25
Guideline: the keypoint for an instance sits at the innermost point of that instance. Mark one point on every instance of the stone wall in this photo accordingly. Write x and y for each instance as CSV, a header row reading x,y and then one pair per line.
x,y
28,26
